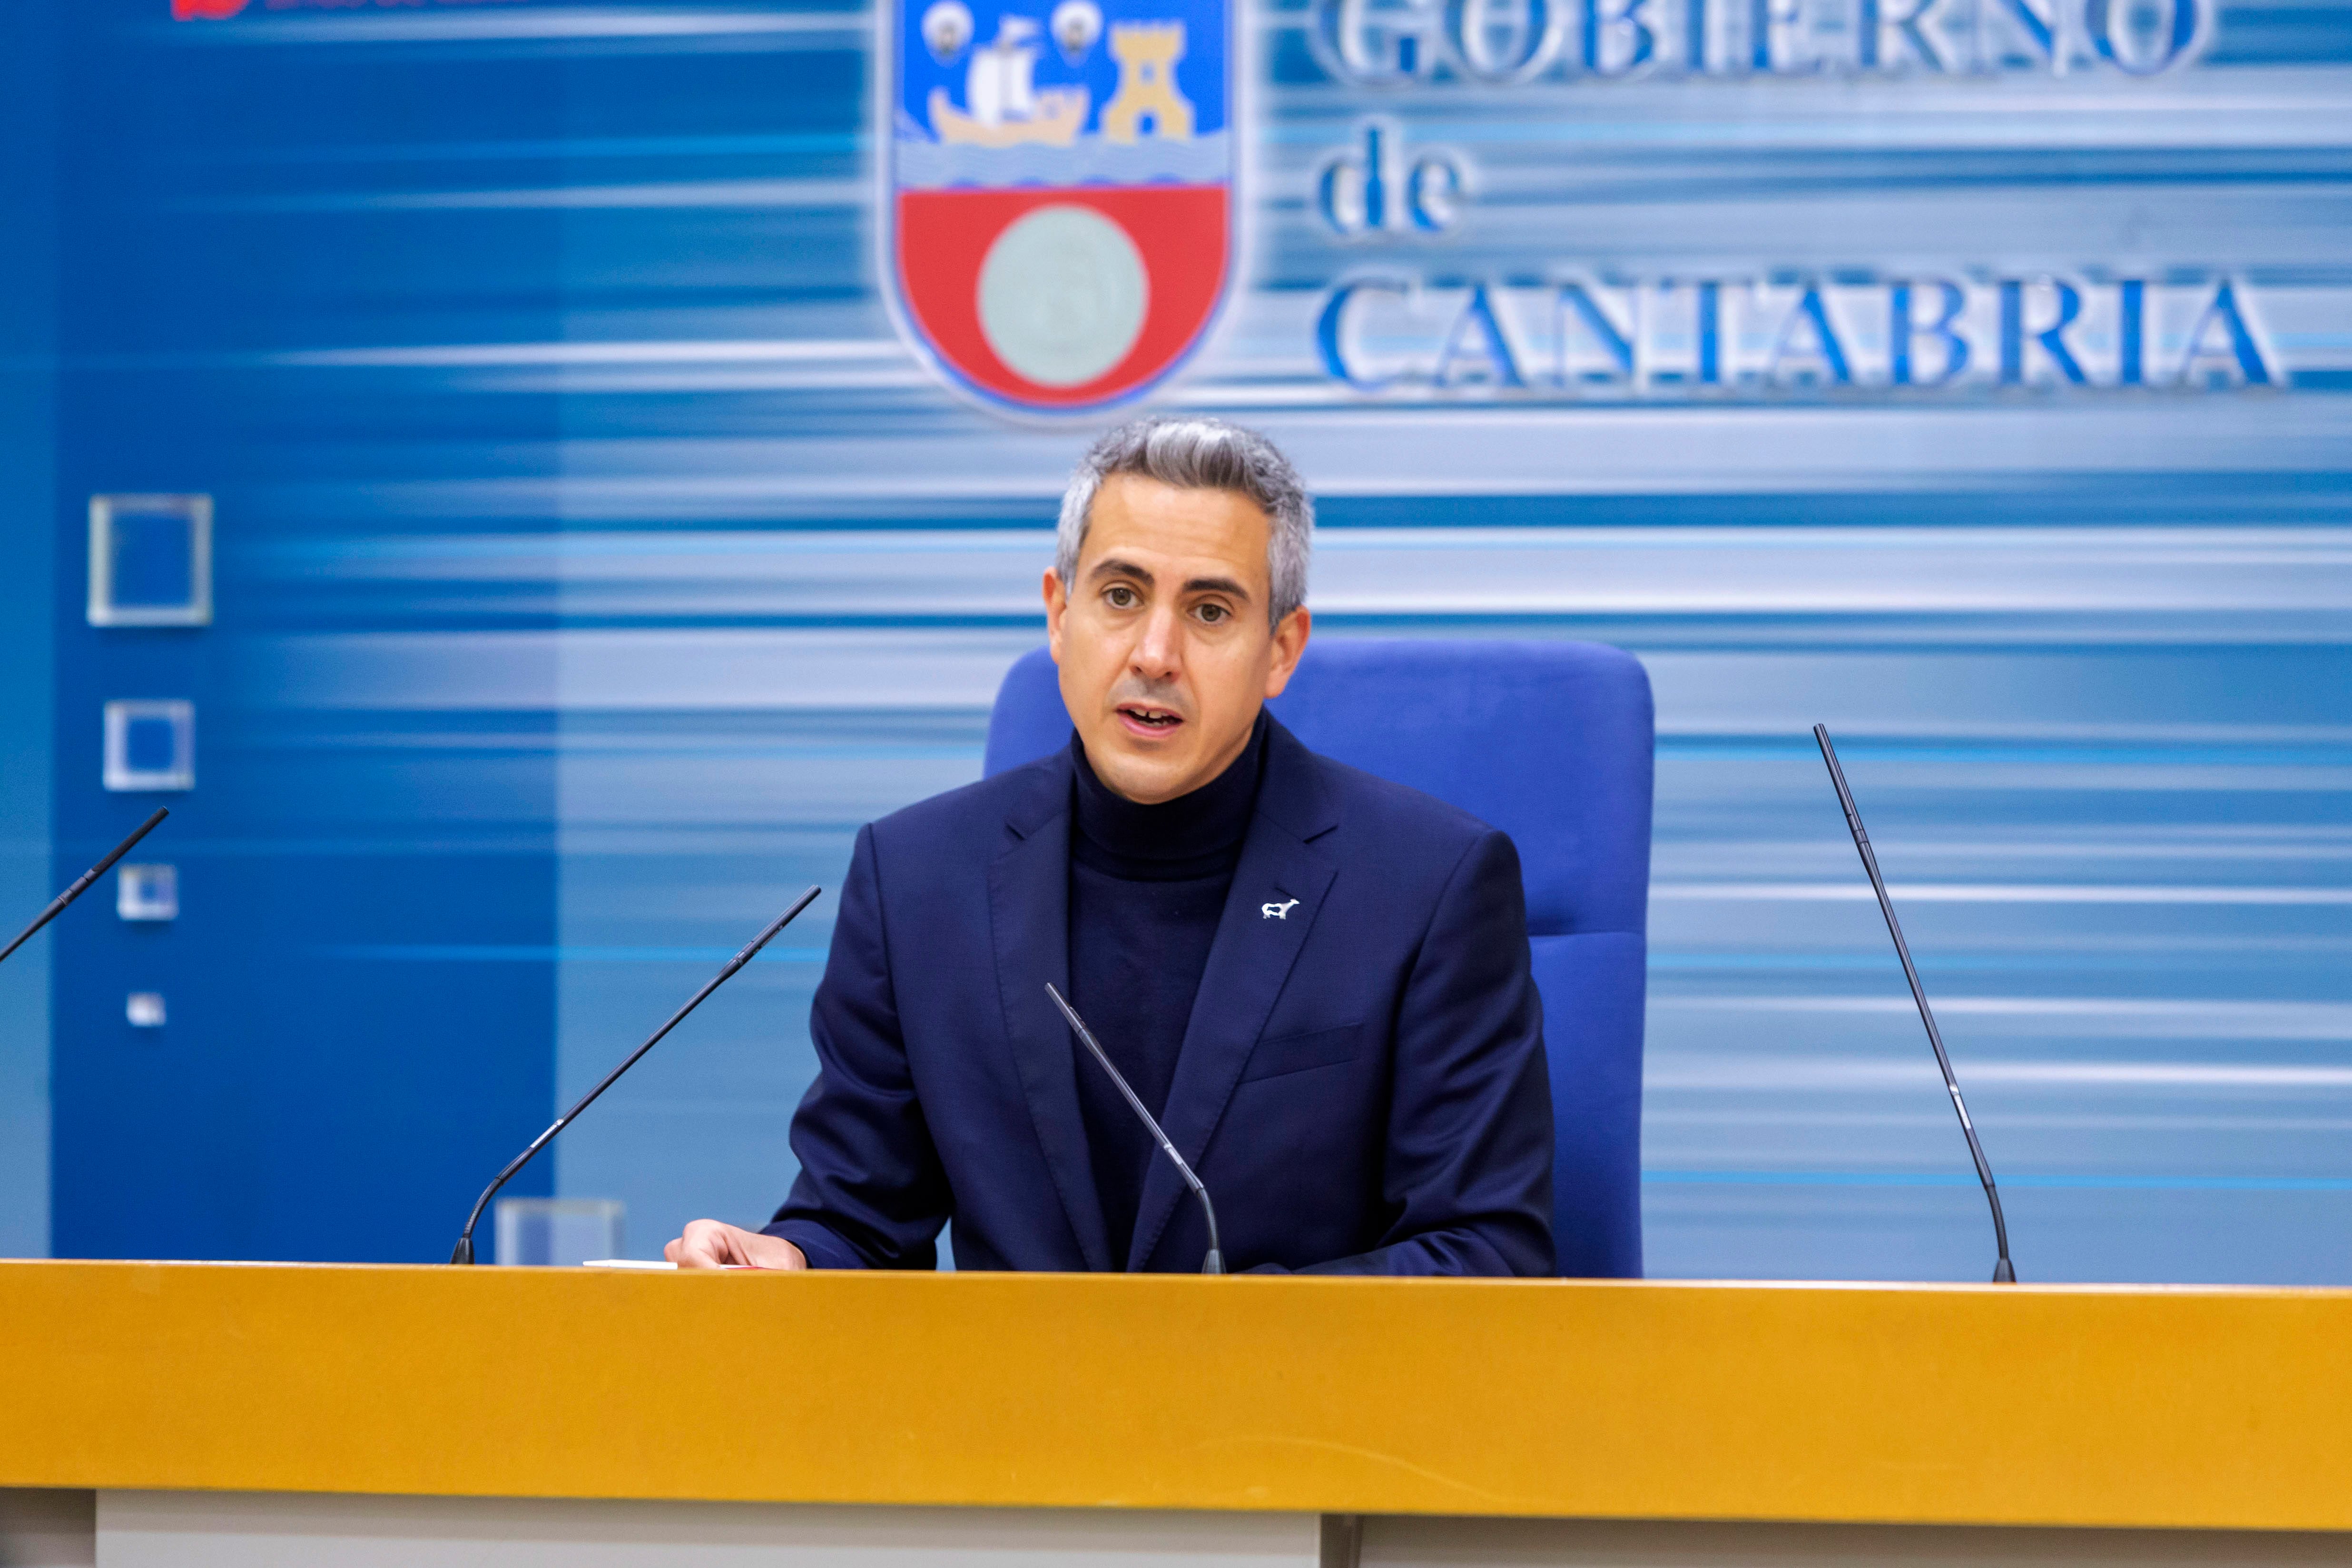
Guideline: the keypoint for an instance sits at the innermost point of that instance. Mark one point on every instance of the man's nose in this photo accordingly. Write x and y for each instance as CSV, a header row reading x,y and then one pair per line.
x,y
1159,651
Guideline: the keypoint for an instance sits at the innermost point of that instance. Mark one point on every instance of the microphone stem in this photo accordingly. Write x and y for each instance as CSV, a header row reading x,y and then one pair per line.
x,y
464,1251
1943,1061
81,883
1214,1263
2004,1272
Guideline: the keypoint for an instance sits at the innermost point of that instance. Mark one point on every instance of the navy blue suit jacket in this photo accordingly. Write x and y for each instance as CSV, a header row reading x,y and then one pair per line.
x,y
1362,1086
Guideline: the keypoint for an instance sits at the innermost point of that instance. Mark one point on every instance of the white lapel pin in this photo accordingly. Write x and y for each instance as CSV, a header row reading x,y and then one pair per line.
x,y
1277,912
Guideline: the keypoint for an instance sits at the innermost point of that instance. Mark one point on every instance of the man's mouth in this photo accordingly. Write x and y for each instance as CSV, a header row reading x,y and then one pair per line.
x,y
1149,718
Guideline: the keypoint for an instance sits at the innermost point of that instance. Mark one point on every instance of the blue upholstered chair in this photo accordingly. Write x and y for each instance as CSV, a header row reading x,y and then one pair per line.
x,y
1551,742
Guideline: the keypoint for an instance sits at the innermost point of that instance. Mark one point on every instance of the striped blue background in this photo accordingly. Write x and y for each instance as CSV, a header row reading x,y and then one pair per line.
x,y
27,440
586,533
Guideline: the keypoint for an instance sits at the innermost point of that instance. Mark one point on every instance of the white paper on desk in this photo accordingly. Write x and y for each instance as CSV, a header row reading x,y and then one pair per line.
x,y
647,1263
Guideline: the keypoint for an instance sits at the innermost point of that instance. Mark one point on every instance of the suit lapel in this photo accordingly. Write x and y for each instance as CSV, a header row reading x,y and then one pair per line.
x,y
1248,963
1028,906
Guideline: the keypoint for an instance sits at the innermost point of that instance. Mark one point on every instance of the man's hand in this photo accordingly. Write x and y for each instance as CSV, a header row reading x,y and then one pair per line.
x,y
713,1244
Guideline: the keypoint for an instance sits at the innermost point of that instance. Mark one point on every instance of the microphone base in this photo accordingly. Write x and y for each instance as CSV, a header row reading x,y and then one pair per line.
x,y
464,1251
2003,1274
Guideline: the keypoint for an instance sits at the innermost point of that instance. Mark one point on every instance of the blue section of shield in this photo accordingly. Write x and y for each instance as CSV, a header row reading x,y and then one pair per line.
x,y
921,165
1005,36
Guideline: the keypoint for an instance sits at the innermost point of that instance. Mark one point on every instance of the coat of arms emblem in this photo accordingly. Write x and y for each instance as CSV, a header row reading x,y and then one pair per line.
x,y
1058,190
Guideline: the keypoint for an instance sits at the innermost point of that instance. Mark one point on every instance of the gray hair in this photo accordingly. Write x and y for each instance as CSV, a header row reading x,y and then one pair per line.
x,y
1199,453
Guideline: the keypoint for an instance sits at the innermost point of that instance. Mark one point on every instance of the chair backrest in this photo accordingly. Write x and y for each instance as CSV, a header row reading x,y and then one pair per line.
x,y
1551,741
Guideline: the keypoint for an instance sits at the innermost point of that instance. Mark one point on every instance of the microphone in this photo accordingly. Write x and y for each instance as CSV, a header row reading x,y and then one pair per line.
x,y
1215,1262
464,1251
2002,1273
81,884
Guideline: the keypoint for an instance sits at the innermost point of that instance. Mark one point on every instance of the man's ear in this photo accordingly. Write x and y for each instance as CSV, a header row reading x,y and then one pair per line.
x,y
1289,642
1056,601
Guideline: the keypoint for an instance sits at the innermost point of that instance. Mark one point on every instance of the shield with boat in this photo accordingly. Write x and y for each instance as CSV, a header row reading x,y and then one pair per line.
x,y
1059,191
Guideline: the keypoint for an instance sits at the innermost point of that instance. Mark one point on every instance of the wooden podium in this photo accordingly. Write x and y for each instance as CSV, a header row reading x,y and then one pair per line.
x,y
264,1415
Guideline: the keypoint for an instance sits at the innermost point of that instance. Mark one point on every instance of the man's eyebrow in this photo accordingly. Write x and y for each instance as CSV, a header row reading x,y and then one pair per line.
x,y
1217,585
1112,566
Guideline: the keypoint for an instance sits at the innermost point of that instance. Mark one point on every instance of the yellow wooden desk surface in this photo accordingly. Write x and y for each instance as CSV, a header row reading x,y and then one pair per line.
x,y
1963,1405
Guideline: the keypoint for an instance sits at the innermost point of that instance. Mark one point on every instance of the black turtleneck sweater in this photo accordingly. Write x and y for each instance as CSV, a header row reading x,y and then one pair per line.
x,y
1147,885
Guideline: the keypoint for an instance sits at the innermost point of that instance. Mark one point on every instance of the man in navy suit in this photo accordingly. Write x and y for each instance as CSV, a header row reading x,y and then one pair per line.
x,y
1316,980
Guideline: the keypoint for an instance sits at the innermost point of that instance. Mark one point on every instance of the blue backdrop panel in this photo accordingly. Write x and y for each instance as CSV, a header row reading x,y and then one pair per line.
x,y
595,554
27,500
360,985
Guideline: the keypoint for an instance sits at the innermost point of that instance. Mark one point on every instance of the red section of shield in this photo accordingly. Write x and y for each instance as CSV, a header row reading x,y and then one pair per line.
x,y
943,239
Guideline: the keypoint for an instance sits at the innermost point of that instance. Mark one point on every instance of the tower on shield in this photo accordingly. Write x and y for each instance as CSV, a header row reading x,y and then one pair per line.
x,y
1058,203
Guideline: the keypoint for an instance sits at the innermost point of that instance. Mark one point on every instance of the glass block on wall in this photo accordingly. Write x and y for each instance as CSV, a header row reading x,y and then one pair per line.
x,y
147,892
561,1232
151,744
150,561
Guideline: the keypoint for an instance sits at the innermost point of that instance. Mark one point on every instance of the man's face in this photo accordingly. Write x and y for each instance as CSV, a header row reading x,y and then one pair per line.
x,y
1162,639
